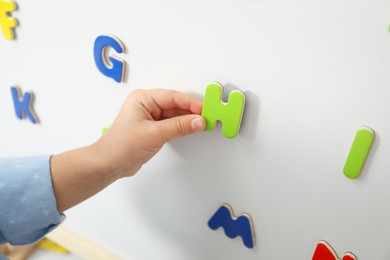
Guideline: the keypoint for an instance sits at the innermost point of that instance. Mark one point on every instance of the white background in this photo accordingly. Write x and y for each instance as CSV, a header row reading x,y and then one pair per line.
x,y
313,72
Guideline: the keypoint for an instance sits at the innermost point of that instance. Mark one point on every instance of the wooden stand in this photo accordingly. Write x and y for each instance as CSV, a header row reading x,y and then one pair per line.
x,y
79,245
68,239
17,252
4,249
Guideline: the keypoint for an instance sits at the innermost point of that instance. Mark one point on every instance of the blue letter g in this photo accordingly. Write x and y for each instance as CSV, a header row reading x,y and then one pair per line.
x,y
111,67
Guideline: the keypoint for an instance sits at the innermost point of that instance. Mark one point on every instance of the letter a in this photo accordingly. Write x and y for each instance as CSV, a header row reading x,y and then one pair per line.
x,y
7,23
229,114
111,67
23,104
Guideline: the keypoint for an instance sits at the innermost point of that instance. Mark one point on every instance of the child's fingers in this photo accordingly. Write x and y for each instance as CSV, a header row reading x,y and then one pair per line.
x,y
180,126
169,99
168,113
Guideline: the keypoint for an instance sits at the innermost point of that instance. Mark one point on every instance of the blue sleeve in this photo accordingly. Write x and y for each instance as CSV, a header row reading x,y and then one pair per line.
x,y
28,209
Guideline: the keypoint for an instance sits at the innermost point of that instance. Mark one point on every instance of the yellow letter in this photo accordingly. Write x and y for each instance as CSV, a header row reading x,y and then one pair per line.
x,y
7,23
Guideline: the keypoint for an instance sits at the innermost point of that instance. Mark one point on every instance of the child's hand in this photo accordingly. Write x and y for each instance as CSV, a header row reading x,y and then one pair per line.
x,y
147,120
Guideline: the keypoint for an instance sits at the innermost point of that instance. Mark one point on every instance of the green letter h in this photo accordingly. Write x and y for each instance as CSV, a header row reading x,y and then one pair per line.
x,y
229,114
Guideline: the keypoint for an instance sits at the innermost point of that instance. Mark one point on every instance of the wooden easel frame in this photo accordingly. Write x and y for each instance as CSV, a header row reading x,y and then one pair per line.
x,y
17,252
68,239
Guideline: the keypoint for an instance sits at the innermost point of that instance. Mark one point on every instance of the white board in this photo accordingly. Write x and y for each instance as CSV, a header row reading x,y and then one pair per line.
x,y
313,72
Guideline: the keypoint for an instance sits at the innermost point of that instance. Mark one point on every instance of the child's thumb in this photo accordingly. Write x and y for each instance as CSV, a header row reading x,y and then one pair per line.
x,y
182,125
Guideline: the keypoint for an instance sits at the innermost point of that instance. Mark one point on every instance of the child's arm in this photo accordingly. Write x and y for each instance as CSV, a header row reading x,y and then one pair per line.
x,y
147,120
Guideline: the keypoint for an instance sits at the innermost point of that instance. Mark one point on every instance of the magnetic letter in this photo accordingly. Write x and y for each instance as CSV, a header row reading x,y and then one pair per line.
x,y
234,226
7,23
229,114
23,104
324,251
359,151
109,66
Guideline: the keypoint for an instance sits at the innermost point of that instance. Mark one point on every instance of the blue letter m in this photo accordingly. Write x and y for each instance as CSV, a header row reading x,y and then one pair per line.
x,y
233,226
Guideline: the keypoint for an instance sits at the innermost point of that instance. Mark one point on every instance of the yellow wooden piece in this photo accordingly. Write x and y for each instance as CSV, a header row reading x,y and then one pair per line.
x,y
52,246
79,245
7,23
